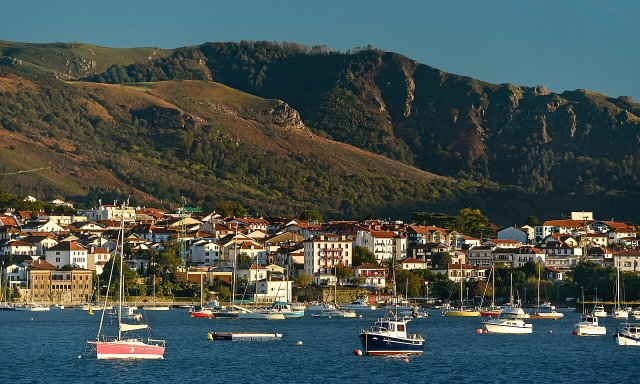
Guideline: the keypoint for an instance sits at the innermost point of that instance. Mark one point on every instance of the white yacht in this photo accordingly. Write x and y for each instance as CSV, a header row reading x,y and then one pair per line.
x,y
336,312
635,313
588,326
261,314
358,304
630,335
598,311
510,320
315,306
32,307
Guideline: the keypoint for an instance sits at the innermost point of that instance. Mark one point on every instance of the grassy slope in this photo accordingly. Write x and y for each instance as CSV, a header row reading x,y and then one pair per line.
x,y
77,59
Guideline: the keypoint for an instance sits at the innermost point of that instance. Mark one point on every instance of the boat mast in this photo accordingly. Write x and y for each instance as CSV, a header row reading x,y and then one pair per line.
x,y
617,304
461,302
233,269
538,288
493,285
121,289
511,289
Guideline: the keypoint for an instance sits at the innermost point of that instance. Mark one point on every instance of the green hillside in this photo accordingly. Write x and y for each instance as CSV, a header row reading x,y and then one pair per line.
x,y
294,128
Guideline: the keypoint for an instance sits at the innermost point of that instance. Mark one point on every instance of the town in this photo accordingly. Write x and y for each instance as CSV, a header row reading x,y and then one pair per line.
x,y
51,258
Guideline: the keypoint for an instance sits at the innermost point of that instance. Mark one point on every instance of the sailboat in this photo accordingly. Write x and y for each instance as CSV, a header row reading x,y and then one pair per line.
x,y
588,324
388,336
462,311
31,306
510,320
233,311
260,314
492,310
4,303
335,310
128,344
155,307
546,310
618,311
201,311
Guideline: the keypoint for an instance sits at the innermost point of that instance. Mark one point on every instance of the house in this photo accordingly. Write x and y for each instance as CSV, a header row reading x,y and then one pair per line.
x,y
109,212
502,243
252,224
466,272
49,284
517,234
620,235
480,256
204,252
426,250
305,229
324,252
595,239
371,275
573,227
42,226
251,273
42,242
18,247
97,257
67,253
628,260
411,263
528,255
383,244
270,291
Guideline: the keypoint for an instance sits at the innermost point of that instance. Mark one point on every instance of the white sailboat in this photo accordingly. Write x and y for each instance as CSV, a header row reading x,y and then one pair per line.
x,y
462,311
588,324
260,314
335,310
618,311
545,310
510,320
129,343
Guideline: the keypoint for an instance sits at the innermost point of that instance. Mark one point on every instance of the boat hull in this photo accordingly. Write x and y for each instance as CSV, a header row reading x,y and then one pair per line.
x,y
158,308
586,330
205,314
260,316
507,329
454,313
545,315
128,350
376,344
490,313
626,340
32,309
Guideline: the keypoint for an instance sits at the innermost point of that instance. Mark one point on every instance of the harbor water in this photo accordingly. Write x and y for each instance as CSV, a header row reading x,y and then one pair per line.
x,y
48,347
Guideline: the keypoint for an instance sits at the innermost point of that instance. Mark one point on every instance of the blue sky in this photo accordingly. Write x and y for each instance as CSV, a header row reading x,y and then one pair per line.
x,y
560,44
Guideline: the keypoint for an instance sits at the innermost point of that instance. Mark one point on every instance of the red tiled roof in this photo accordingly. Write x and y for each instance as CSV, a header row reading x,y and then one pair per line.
x,y
567,223
412,260
369,266
383,234
68,246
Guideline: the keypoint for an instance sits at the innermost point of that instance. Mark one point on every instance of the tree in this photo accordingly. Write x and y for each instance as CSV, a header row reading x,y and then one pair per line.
x,y
441,260
311,215
445,289
129,275
473,223
168,260
532,221
303,280
434,218
343,272
231,209
243,258
362,255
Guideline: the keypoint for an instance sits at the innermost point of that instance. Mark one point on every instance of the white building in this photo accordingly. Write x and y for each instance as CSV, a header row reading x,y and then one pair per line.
x,y
383,244
42,226
204,252
324,252
411,263
109,212
251,273
270,291
68,253
372,275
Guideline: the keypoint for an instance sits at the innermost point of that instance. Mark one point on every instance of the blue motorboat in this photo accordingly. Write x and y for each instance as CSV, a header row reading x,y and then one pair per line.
x,y
388,336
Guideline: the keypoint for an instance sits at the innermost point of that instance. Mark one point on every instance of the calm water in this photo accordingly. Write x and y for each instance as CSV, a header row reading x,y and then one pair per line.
x,y
44,348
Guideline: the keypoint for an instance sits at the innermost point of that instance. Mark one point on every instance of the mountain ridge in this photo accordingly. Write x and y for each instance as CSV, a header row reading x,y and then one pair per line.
x,y
527,144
